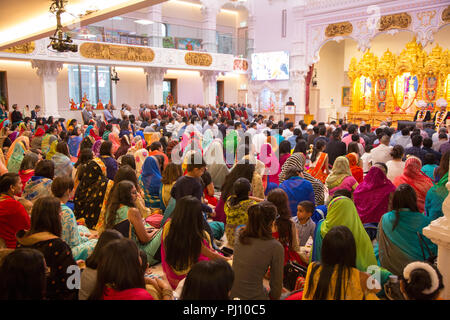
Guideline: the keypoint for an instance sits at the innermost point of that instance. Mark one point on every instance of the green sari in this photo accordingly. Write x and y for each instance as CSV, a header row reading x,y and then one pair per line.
x,y
15,160
342,212
435,197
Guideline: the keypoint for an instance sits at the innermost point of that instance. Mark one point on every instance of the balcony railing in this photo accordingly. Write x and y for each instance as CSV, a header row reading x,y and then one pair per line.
x,y
162,35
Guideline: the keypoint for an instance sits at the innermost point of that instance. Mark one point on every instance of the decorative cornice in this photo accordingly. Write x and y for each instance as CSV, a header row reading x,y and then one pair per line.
x,y
446,15
399,20
46,68
198,59
116,52
339,29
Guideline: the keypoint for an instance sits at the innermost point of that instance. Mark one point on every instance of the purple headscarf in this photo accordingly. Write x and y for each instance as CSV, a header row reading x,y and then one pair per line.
x,y
371,196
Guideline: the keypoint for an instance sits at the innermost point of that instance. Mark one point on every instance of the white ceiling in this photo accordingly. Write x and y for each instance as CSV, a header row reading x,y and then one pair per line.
x,y
26,20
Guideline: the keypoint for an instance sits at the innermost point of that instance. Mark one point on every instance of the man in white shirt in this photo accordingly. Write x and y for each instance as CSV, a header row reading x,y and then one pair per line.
x,y
382,153
289,131
435,136
252,128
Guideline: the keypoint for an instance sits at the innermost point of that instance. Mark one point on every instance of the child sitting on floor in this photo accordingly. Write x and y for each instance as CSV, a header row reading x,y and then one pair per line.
x,y
303,222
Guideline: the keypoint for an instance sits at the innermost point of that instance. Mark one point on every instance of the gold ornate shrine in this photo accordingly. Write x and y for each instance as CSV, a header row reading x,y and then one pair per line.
x,y
389,87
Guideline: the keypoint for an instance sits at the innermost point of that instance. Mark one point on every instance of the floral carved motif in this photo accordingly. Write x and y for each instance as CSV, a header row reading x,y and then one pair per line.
x,y
339,29
400,20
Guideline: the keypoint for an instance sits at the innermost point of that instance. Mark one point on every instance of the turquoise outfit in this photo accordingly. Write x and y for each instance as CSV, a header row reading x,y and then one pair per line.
x,y
401,246
81,246
428,169
435,197
151,247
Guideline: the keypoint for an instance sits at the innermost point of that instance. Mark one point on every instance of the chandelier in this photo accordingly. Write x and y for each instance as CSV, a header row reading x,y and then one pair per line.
x,y
60,42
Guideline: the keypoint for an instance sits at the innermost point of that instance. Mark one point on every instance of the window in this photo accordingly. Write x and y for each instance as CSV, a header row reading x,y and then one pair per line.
x,y
89,82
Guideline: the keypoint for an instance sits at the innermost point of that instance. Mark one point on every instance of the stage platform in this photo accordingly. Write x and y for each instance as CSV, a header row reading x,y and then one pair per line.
x,y
375,118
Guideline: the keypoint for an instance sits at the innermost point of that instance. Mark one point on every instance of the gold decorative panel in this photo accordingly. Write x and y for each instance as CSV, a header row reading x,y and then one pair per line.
x,y
446,15
392,21
26,48
339,29
116,52
198,59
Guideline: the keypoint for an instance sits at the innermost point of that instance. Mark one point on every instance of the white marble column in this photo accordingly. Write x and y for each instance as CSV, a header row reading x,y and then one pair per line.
x,y
438,231
298,66
209,79
251,36
155,29
155,78
297,92
209,17
48,73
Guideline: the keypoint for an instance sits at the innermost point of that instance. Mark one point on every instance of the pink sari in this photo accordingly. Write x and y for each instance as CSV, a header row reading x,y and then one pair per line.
x,y
268,157
174,277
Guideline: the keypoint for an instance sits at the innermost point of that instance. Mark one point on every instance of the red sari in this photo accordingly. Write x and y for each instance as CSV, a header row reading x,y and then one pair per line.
x,y
318,171
357,171
128,294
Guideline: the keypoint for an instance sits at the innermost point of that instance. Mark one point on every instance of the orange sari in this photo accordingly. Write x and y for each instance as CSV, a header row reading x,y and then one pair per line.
x,y
318,171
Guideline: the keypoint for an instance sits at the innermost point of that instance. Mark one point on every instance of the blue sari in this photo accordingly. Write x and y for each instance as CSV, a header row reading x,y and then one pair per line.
x,y
401,246
150,182
74,145
297,190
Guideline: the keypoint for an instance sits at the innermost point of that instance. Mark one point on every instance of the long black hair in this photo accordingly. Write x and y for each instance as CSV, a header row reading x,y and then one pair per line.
x,y
317,148
29,161
183,242
243,169
300,146
22,275
443,165
241,188
105,237
119,267
45,216
338,249
260,219
284,224
404,198
121,195
208,280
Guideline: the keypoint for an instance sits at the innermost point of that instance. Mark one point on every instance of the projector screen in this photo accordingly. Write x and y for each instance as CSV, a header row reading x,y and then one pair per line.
x,y
270,66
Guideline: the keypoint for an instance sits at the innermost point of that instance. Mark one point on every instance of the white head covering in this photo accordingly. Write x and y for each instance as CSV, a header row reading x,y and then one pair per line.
x,y
421,104
441,102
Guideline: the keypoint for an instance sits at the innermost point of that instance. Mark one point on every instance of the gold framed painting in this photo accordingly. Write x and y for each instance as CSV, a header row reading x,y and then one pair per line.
x,y
345,97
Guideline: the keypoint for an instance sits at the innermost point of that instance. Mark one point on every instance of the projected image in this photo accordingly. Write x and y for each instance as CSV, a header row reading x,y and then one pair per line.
x,y
270,66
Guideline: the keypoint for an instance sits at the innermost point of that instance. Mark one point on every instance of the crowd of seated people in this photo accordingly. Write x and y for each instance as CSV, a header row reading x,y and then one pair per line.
x,y
222,200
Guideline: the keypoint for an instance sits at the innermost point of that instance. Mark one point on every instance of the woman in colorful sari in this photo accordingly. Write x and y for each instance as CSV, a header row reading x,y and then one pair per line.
x,y
74,141
413,175
14,132
40,184
319,162
123,216
77,237
357,171
341,176
114,138
437,194
139,157
52,151
336,276
96,148
91,131
398,241
63,164
215,163
342,212
150,182
284,152
124,146
36,141
16,153
297,188
372,196
91,193
108,160
184,240
297,160
270,160
208,137
48,139
27,167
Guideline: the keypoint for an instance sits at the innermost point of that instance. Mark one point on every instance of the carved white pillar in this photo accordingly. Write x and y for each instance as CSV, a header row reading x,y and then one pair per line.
x,y
297,91
48,73
209,17
155,78
155,29
209,86
438,231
